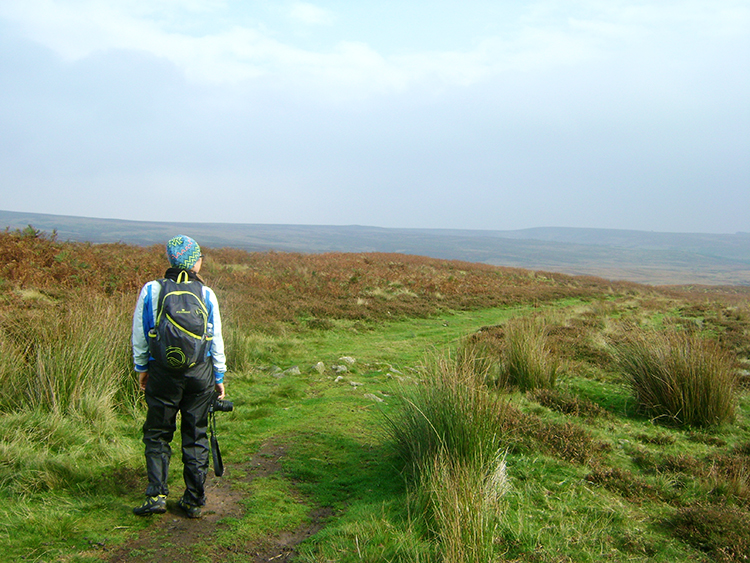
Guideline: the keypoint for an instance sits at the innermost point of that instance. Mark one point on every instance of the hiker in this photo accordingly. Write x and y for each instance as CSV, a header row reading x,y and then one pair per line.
x,y
171,387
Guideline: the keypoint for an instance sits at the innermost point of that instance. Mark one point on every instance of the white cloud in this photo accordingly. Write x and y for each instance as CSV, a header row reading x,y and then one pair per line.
x,y
225,51
311,14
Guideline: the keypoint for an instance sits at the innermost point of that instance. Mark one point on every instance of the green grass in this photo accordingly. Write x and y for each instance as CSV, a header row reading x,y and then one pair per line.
x,y
272,506
450,414
526,360
69,360
404,342
461,504
448,435
589,477
680,378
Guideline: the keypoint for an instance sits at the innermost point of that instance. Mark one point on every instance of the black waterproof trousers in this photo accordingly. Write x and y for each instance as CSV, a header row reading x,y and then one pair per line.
x,y
167,393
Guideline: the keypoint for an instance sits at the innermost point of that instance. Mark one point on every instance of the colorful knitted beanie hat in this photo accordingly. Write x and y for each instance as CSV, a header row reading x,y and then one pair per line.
x,y
183,252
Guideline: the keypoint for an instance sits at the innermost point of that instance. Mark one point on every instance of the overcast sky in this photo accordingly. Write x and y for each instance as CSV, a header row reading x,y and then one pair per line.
x,y
393,113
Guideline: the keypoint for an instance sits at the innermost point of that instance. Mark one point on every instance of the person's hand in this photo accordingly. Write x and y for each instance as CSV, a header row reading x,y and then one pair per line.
x,y
143,379
219,387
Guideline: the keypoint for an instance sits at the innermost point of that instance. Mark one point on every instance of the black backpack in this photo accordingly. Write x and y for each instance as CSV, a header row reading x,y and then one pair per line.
x,y
181,334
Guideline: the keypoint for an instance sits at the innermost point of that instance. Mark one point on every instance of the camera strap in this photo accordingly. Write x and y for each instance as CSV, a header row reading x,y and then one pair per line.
x,y
215,451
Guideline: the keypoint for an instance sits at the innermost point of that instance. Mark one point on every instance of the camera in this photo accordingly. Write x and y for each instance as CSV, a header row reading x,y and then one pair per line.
x,y
217,405
220,405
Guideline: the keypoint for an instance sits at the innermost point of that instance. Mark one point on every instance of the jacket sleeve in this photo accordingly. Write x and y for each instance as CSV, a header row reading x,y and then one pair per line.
x,y
143,322
217,344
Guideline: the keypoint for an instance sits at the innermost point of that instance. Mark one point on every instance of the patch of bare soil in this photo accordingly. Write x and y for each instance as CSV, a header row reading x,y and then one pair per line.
x,y
175,536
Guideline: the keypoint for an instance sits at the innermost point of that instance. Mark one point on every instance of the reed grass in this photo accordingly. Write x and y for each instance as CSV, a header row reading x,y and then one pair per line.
x,y
448,436
451,413
482,357
246,350
679,378
527,361
463,505
71,357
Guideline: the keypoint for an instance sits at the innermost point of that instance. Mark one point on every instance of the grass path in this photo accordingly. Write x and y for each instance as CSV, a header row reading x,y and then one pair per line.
x,y
301,450
336,458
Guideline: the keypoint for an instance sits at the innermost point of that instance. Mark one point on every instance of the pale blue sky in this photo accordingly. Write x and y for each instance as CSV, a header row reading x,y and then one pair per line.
x,y
440,114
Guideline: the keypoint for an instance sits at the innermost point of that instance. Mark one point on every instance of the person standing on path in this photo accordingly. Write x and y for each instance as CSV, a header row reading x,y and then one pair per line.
x,y
168,391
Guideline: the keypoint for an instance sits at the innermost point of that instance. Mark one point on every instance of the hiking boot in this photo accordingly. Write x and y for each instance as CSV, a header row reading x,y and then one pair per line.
x,y
191,510
152,505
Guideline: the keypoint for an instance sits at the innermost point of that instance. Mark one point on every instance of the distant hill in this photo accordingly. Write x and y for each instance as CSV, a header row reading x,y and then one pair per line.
x,y
645,257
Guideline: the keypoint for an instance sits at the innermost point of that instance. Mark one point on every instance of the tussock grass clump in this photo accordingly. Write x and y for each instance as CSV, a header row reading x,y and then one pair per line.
x,y
480,356
447,435
246,350
452,412
463,502
71,358
526,360
515,355
679,378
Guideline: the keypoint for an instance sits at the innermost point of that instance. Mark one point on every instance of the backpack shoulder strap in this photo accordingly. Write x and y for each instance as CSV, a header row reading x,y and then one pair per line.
x,y
160,303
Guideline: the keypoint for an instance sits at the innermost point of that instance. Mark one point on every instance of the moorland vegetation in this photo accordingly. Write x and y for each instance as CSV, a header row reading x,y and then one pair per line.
x,y
482,413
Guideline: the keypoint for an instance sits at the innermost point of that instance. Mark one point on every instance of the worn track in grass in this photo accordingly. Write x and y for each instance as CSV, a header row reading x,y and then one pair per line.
x,y
175,537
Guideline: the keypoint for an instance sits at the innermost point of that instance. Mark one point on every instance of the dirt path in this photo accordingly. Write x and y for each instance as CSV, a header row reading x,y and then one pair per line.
x,y
174,536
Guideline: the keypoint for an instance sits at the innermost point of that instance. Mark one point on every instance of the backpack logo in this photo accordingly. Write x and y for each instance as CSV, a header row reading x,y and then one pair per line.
x,y
181,335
